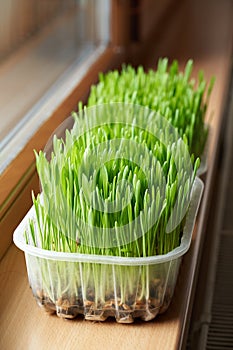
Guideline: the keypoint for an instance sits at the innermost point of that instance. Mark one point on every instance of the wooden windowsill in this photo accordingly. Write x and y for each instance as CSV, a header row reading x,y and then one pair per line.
x,y
23,325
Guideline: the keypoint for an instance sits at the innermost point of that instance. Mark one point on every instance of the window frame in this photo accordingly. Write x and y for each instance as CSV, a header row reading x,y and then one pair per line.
x,y
19,178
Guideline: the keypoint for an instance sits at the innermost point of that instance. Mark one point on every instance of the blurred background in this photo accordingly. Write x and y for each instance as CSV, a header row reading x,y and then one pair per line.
x,y
40,41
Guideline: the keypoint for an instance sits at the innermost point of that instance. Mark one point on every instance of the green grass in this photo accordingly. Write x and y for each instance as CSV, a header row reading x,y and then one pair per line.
x,y
112,190
167,90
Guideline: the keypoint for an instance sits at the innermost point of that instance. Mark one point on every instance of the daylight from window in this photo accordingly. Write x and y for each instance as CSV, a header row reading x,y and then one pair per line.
x,y
45,48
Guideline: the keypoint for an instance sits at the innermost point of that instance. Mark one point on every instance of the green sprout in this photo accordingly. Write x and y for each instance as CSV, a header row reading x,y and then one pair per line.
x,y
171,93
76,212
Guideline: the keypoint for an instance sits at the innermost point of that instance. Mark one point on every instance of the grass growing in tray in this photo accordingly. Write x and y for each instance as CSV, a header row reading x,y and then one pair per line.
x,y
83,180
168,91
67,196
72,206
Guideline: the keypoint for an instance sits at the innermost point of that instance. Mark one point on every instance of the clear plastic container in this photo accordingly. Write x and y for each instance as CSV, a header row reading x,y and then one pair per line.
x,y
201,171
97,286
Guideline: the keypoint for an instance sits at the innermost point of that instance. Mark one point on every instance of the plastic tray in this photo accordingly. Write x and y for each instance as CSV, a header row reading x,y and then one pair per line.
x,y
101,286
